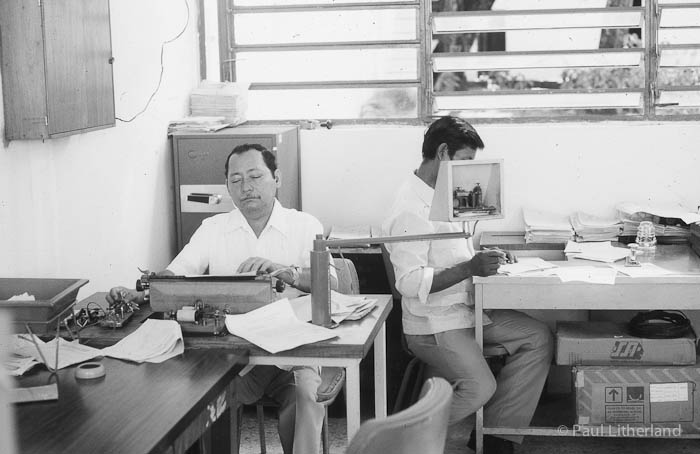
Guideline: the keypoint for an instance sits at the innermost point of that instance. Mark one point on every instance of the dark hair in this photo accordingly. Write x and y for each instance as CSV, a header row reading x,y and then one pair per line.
x,y
268,158
453,131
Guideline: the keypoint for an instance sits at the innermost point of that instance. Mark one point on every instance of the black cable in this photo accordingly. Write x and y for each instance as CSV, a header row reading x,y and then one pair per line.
x,y
162,69
660,324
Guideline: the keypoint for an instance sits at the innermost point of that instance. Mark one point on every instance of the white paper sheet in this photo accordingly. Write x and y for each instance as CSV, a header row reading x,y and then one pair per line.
x,y
276,328
154,342
525,265
592,274
602,251
645,270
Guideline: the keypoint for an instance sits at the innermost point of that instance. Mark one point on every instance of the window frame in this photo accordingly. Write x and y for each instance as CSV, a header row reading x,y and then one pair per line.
x,y
426,99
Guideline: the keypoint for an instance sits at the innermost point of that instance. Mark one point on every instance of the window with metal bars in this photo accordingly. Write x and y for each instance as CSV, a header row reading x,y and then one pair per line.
x,y
500,60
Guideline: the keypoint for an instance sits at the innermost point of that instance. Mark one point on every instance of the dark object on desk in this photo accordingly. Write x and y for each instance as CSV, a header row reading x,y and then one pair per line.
x,y
660,239
660,324
420,429
52,297
515,242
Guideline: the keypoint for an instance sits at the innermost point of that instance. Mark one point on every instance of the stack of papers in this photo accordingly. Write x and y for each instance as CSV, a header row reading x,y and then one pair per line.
x,y
525,265
343,307
275,328
669,222
593,228
226,99
546,227
198,124
600,252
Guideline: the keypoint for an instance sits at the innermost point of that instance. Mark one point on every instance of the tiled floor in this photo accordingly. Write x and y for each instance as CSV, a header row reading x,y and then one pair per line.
x,y
458,436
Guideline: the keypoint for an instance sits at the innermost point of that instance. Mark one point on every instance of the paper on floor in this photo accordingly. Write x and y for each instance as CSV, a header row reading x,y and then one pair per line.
x,y
275,328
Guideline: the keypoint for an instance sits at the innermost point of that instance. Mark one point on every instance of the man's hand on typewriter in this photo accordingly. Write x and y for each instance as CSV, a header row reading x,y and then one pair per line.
x,y
260,265
117,294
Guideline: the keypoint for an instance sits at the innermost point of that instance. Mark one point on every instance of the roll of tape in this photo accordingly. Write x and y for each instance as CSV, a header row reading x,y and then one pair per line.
x,y
184,315
90,370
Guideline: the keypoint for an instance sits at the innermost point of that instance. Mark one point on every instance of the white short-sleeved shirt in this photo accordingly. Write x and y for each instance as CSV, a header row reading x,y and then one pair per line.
x,y
225,240
416,262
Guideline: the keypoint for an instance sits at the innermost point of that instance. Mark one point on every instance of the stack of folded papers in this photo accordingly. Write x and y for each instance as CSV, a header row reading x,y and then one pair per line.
x,y
593,228
226,99
343,307
545,227
599,252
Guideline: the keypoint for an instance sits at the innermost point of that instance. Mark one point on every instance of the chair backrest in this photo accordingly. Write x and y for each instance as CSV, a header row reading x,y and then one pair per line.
x,y
391,277
419,429
348,281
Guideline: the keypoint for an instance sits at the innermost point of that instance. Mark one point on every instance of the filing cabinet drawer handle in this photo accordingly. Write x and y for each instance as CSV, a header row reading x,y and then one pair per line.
x,y
211,199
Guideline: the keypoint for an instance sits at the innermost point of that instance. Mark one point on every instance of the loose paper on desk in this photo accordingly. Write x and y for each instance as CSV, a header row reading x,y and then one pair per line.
x,y
275,328
591,274
153,342
22,348
343,307
600,252
645,270
525,265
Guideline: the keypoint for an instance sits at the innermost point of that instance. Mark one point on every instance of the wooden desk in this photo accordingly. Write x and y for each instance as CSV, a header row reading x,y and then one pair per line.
x,y
676,292
134,408
347,350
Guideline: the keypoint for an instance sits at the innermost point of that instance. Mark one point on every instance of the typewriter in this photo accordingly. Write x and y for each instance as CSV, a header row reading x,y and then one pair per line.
x,y
200,303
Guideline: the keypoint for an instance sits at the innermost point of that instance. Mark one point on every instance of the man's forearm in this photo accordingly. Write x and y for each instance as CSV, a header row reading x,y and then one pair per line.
x,y
448,277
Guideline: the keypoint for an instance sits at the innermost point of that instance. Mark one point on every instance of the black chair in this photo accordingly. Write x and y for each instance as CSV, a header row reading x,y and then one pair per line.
x,y
419,429
332,378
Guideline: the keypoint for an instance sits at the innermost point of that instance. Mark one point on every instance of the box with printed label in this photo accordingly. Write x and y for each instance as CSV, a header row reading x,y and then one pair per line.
x,y
603,343
653,397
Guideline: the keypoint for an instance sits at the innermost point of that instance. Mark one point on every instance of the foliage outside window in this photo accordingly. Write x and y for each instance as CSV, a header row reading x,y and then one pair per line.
x,y
501,60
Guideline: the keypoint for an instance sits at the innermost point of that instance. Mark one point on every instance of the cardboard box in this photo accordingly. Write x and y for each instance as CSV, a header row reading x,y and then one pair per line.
x,y
609,343
650,397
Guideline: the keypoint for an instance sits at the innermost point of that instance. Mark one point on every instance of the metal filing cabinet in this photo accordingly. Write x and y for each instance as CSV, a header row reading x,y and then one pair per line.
x,y
198,165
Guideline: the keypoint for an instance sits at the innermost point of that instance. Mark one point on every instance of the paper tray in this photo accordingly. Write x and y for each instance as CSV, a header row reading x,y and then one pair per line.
x,y
53,296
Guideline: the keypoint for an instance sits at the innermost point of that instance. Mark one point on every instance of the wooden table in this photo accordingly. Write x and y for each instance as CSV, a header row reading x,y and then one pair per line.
x,y
673,292
134,408
347,350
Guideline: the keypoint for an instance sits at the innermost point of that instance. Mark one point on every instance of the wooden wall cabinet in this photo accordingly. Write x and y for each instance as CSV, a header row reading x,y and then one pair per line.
x,y
56,61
